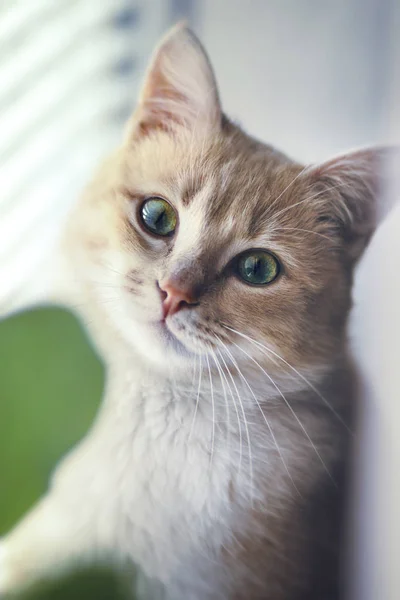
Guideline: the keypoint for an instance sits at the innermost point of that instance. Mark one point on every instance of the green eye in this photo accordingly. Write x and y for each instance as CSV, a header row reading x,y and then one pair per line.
x,y
158,216
257,267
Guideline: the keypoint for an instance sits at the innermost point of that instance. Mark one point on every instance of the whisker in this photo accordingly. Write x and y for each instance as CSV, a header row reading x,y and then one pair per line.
x,y
105,285
215,358
311,386
265,419
195,364
107,265
236,411
304,231
197,399
320,193
291,410
213,410
246,425
244,417
289,186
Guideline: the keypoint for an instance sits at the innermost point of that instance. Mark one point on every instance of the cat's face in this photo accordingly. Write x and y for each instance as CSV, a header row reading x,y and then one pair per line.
x,y
202,241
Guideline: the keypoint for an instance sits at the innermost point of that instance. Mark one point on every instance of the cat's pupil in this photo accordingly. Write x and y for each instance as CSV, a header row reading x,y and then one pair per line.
x,y
161,218
254,267
158,216
257,267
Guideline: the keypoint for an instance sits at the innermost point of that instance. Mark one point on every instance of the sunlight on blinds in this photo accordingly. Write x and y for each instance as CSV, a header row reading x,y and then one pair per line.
x,y
69,72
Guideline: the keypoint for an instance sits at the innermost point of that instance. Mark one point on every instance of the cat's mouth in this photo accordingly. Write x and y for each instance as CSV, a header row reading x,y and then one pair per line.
x,y
184,338
170,339
187,336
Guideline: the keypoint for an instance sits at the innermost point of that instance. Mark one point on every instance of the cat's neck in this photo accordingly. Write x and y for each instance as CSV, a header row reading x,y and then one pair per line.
x,y
130,375
133,379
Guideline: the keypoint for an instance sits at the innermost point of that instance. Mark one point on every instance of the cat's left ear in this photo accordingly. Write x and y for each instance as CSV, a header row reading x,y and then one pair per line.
x,y
351,197
179,88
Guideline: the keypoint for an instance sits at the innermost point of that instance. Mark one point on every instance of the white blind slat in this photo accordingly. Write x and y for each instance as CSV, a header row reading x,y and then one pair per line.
x,y
67,72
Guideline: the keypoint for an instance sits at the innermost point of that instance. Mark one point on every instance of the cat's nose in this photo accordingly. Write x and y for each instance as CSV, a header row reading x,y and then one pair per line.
x,y
174,298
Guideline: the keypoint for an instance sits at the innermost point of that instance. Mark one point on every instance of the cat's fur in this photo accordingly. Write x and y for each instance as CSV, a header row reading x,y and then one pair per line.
x,y
216,464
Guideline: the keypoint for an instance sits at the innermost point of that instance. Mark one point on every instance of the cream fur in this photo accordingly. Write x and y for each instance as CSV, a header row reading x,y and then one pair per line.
x,y
190,472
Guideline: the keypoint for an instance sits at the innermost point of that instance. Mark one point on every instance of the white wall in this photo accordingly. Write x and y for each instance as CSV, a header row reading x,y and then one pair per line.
x,y
376,324
305,75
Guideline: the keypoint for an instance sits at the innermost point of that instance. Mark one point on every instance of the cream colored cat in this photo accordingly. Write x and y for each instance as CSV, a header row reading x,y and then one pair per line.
x,y
214,275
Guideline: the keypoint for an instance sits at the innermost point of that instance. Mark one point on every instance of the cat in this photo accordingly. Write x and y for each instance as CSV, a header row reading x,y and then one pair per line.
x,y
214,276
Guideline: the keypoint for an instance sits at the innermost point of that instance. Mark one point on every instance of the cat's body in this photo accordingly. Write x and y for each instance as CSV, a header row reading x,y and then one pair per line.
x,y
150,485
214,275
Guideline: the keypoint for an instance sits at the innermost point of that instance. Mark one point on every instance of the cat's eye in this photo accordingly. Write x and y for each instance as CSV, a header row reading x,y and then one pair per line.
x,y
257,267
158,217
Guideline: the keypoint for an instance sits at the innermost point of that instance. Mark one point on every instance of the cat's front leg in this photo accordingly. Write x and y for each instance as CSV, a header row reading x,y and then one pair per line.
x,y
73,522
54,535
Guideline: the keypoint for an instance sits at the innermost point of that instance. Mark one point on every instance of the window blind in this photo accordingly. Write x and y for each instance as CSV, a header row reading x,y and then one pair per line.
x,y
69,72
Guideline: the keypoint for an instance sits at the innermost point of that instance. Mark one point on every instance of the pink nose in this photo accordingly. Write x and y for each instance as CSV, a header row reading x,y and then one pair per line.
x,y
174,299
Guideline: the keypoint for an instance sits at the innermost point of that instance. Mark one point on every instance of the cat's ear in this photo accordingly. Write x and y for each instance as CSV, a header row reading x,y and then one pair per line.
x,y
179,88
350,196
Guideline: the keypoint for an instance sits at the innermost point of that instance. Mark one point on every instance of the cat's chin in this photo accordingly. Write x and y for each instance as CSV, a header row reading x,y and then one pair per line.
x,y
157,344
171,341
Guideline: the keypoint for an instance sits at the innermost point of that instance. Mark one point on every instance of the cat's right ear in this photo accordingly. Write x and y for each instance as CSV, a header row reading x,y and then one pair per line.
x,y
179,88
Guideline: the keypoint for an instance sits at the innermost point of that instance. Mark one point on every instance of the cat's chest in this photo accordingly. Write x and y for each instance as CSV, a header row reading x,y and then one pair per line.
x,y
178,461
175,443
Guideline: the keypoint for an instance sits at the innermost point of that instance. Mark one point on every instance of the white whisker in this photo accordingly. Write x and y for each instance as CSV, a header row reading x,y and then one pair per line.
x,y
264,417
304,231
290,185
320,193
291,410
236,411
213,410
195,364
197,399
215,358
306,381
243,413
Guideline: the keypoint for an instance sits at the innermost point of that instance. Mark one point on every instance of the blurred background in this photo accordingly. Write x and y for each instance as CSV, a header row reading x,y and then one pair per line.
x,y
313,77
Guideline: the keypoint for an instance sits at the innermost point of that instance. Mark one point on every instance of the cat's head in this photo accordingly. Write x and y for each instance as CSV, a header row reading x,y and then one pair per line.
x,y
199,239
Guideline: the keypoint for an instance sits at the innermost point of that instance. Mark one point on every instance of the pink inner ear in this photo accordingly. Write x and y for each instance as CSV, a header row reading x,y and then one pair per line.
x,y
179,88
362,167
353,193
160,109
